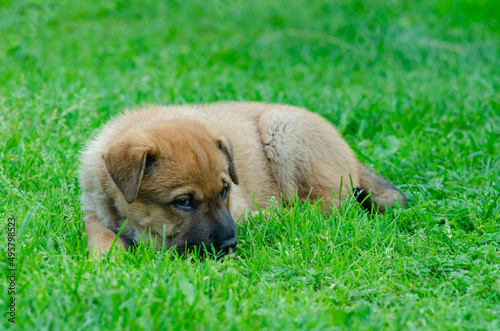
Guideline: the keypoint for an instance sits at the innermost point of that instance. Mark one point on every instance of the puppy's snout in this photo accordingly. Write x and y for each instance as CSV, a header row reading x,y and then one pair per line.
x,y
231,243
225,235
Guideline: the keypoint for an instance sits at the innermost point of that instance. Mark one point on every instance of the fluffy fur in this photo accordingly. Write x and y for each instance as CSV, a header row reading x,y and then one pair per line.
x,y
146,164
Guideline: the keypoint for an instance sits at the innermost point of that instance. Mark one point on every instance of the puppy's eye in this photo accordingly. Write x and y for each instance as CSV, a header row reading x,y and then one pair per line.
x,y
184,203
223,194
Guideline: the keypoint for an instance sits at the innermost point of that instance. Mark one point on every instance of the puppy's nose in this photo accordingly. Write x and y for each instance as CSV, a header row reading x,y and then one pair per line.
x,y
227,244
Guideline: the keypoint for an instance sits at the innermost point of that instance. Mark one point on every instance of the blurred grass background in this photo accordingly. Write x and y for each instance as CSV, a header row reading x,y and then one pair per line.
x,y
412,86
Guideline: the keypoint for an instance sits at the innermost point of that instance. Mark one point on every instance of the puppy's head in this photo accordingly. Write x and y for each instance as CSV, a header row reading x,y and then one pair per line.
x,y
174,179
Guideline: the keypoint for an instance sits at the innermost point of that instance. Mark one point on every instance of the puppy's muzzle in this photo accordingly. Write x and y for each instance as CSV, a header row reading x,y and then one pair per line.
x,y
229,244
214,233
224,235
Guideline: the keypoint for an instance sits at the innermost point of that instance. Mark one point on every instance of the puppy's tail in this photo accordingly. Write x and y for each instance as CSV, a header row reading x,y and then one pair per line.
x,y
376,192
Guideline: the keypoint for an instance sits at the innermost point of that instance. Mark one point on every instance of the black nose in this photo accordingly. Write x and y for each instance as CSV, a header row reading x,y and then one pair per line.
x,y
224,235
231,243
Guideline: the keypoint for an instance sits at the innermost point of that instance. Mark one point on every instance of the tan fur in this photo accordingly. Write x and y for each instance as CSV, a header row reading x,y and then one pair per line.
x,y
144,160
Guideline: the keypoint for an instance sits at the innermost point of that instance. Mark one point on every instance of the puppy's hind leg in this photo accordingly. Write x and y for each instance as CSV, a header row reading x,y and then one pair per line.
x,y
382,192
307,155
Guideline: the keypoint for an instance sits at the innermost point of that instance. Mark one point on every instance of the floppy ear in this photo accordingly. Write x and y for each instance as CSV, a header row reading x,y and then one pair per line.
x,y
228,153
126,166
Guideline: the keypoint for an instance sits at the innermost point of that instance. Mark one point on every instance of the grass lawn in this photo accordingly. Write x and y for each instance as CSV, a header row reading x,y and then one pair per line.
x,y
412,86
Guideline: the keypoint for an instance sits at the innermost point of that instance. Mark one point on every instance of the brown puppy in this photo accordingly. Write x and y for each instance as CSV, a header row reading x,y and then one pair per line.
x,y
185,173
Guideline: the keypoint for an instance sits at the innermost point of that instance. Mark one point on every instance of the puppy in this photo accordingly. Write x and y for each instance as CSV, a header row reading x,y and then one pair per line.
x,y
182,175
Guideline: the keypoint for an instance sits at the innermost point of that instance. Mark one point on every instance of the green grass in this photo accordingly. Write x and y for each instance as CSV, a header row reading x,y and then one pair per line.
x,y
412,87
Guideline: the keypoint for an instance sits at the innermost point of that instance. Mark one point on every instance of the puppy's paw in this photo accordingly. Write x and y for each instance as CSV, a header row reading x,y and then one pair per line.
x,y
102,245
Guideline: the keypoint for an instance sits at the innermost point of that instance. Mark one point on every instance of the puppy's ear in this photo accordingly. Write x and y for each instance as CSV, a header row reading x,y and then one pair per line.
x,y
225,148
126,165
